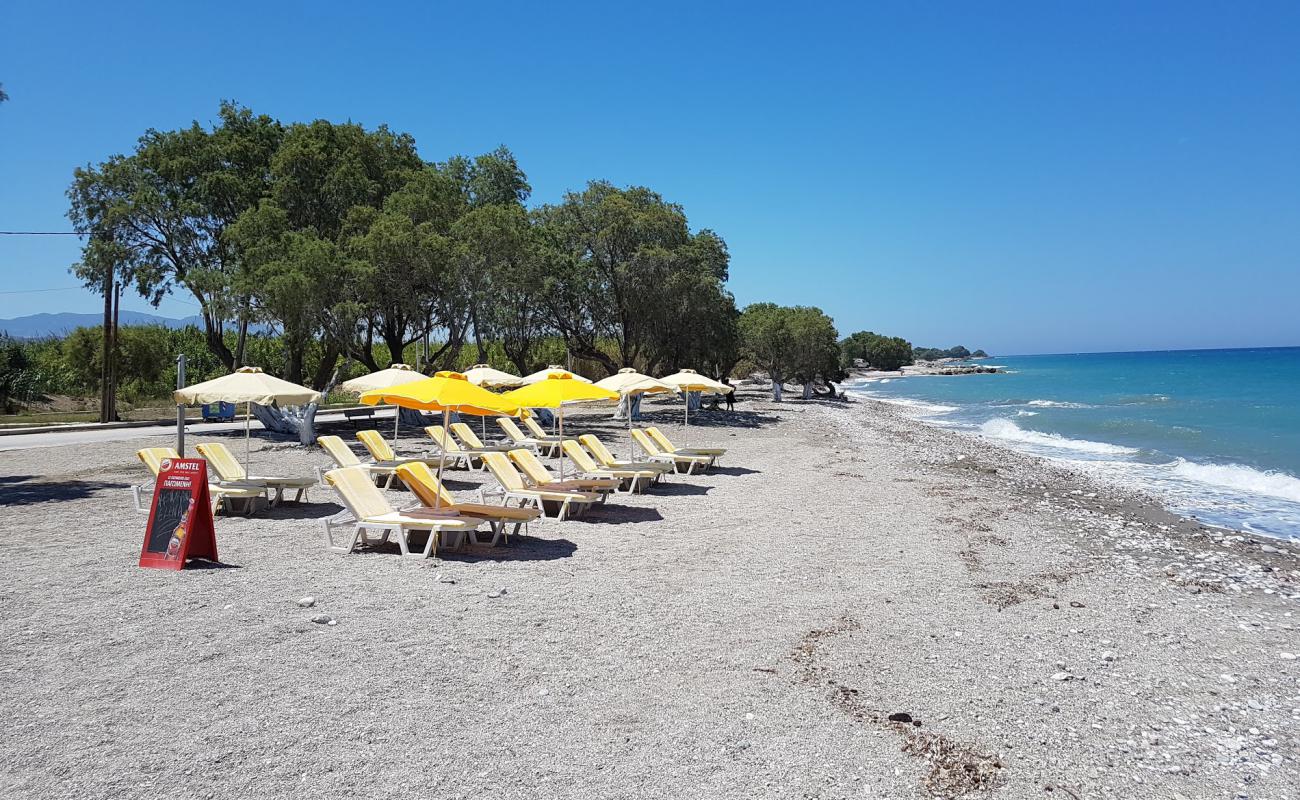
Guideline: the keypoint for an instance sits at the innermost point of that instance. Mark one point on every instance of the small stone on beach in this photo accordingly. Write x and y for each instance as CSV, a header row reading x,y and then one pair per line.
x,y
307,602
322,619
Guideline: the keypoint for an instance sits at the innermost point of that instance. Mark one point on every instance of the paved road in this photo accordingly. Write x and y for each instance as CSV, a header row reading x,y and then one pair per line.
x,y
27,441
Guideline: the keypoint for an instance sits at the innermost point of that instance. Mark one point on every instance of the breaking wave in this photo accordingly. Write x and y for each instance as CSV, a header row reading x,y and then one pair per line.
x,y
1009,431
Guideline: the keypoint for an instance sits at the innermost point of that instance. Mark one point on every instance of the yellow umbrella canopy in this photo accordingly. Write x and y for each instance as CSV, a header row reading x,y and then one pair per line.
x,y
395,375
445,392
486,376
543,374
553,392
247,385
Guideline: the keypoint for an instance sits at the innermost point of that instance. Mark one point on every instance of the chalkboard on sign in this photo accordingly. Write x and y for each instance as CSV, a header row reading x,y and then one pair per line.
x,y
180,517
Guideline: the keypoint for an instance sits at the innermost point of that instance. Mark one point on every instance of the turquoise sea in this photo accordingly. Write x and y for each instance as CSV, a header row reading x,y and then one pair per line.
x,y
1216,433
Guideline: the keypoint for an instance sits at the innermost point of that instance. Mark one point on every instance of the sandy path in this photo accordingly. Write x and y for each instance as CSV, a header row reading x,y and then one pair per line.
x,y
744,633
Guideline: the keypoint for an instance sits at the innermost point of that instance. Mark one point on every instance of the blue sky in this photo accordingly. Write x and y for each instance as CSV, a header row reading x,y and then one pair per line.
x,y
1023,177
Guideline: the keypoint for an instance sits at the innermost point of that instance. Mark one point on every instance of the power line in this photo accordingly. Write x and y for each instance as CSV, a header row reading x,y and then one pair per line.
x,y
34,291
40,233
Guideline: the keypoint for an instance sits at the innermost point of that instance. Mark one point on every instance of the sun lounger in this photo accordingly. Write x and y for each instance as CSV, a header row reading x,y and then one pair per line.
x,y
669,447
470,459
520,439
470,440
368,510
536,473
343,456
606,459
231,471
631,480
227,497
538,432
424,485
380,450
513,488
681,463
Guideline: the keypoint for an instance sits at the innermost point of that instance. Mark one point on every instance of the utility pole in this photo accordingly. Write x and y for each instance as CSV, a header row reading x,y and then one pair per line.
x,y
105,404
180,409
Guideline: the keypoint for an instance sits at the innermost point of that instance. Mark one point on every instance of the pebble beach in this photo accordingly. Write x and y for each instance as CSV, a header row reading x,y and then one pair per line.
x,y
853,605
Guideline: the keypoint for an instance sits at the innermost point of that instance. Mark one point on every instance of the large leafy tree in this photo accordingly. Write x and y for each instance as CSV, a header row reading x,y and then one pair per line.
x,y
765,337
159,216
613,257
814,347
880,352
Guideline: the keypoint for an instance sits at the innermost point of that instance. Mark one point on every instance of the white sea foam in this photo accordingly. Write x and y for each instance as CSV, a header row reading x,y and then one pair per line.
x,y
1024,413
1240,478
1056,404
1007,430
915,405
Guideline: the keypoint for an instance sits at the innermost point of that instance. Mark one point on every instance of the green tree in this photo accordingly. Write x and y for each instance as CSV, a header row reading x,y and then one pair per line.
x,y
16,377
765,338
159,216
880,352
814,347
611,259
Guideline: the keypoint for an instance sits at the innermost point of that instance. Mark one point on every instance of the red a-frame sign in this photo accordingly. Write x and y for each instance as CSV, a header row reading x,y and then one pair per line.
x,y
180,517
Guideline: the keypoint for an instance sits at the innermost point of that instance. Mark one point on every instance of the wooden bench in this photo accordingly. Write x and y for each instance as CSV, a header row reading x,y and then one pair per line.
x,y
357,413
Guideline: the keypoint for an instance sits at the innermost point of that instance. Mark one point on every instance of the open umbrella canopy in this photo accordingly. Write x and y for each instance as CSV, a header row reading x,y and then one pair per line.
x,y
553,369
688,380
246,385
556,390
445,391
629,381
395,375
483,375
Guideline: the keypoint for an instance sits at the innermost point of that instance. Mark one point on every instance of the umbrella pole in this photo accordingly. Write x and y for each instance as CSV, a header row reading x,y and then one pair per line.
x,y
631,443
442,455
248,448
686,421
397,420
561,410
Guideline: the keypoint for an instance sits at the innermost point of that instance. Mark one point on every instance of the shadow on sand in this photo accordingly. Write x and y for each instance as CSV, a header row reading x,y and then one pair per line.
x,y
23,490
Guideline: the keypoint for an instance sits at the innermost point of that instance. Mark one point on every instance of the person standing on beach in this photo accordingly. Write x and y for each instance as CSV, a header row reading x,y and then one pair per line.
x,y
731,395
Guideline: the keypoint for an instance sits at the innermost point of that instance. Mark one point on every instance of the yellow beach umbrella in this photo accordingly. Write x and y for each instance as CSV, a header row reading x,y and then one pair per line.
x,y
556,391
688,380
395,375
246,385
628,383
445,392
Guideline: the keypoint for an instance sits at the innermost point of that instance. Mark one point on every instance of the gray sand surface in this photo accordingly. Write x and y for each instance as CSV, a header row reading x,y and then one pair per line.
x,y
746,633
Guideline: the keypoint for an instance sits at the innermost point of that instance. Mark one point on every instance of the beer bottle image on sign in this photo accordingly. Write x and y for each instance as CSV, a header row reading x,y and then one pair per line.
x,y
178,536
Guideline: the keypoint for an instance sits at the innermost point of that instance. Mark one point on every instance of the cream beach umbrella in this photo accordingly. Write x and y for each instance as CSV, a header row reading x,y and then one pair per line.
x,y
395,375
445,392
687,381
629,383
489,378
543,374
556,391
246,385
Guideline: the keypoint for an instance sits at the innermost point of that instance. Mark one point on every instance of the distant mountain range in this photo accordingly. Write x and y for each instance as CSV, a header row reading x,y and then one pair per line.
x,y
38,326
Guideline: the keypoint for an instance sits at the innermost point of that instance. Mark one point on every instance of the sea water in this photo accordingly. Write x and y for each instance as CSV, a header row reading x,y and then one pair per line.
x,y
1215,433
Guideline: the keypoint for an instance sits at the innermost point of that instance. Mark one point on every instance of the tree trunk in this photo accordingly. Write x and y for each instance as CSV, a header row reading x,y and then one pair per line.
x,y
241,341
776,390
396,342
329,360
628,404
807,391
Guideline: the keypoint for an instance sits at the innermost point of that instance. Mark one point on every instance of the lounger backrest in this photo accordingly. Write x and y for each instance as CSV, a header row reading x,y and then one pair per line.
x,y
647,444
223,461
660,439
336,449
537,430
527,461
153,456
512,430
467,435
358,491
424,484
379,449
503,471
598,449
443,439
579,456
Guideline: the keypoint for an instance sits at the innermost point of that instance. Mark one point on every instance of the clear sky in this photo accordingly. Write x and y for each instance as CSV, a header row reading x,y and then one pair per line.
x,y
1022,177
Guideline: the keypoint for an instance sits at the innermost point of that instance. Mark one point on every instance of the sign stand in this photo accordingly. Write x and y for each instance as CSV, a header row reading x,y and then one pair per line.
x,y
180,516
